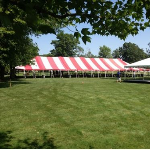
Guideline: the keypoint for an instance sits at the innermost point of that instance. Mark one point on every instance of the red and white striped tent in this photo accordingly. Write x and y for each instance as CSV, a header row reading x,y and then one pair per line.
x,y
75,64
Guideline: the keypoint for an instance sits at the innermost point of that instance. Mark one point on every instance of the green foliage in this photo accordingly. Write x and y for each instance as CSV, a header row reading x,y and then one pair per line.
x,y
148,50
66,45
14,51
116,54
105,52
17,51
45,143
130,53
119,18
18,20
89,54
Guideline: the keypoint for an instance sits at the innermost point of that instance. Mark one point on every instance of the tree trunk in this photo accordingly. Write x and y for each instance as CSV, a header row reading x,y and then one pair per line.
x,y
12,72
2,72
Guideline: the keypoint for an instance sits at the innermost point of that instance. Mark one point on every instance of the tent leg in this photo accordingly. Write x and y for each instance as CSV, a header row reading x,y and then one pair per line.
x,y
112,74
60,73
51,73
105,74
43,74
69,75
24,73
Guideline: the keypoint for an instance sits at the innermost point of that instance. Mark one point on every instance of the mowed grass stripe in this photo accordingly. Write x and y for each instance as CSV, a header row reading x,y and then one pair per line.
x,y
78,113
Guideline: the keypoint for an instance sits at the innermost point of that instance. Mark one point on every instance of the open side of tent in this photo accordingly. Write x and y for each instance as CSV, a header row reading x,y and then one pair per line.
x,y
74,64
145,63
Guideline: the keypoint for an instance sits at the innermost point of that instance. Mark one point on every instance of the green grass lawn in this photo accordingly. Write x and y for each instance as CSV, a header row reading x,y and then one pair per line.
x,y
75,113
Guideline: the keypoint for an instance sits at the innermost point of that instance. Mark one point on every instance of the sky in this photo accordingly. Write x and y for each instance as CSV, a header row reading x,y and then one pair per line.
x,y
142,39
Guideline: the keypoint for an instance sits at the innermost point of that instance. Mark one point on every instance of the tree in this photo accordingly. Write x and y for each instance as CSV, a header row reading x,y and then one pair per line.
x,y
16,24
119,18
148,50
130,53
66,45
105,52
89,54
79,51
116,53
16,52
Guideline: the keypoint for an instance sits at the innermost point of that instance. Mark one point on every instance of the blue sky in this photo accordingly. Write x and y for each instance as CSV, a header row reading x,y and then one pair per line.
x,y
142,40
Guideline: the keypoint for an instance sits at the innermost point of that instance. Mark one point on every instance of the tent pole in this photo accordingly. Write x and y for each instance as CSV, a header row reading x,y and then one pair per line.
x,y
24,73
112,74
69,74
83,74
43,74
105,74
51,73
76,73
98,73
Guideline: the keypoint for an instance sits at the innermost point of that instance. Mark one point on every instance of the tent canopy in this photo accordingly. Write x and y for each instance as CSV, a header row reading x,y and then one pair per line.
x,y
142,64
74,64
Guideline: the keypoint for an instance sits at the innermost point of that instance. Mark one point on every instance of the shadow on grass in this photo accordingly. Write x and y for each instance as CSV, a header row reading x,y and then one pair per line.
x,y
6,83
5,139
44,143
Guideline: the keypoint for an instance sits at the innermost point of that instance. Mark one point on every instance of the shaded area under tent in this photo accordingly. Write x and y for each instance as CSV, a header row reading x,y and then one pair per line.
x,y
145,64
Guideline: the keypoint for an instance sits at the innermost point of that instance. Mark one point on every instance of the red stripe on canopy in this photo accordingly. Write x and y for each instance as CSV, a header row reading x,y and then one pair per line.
x,y
28,67
119,67
75,64
40,63
86,64
52,63
123,62
106,64
97,65
64,63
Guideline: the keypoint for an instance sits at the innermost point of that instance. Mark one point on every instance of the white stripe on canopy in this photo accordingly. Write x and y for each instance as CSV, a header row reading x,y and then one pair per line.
x,y
69,63
80,63
111,64
58,63
101,63
91,64
46,63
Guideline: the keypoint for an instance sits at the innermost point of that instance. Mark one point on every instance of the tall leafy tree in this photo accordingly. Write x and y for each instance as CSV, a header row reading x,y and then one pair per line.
x,y
148,50
104,52
16,52
116,53
89,54
65,45
79,51
17,22
130,53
